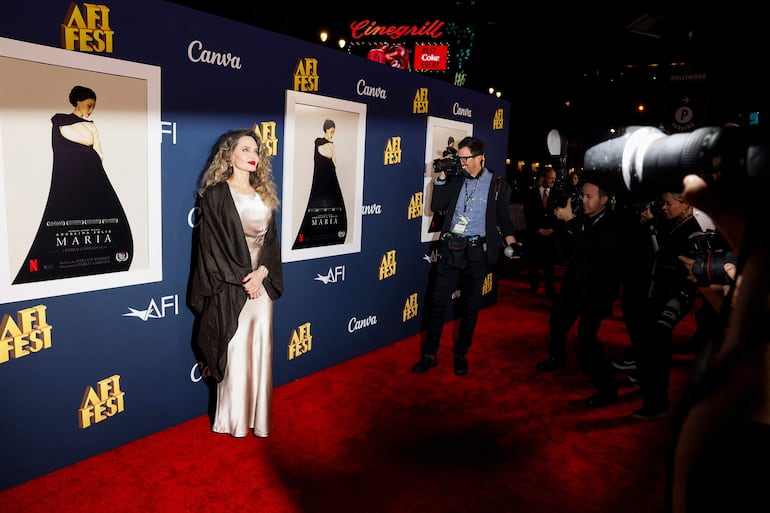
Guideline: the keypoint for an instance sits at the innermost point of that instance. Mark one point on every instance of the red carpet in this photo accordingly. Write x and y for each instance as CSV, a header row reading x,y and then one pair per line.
x,y
368,435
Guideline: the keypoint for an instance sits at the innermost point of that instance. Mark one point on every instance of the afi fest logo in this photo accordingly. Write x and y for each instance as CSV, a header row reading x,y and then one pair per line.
x,y
87,29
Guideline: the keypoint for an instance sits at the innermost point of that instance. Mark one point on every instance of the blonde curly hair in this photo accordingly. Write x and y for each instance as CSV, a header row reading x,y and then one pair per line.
x,y
220,168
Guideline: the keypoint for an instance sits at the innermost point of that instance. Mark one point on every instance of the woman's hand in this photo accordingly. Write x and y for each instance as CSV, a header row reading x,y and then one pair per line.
x,y
252,283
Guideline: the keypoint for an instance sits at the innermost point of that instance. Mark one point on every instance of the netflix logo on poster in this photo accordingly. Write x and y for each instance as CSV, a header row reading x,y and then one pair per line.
x,y
430,57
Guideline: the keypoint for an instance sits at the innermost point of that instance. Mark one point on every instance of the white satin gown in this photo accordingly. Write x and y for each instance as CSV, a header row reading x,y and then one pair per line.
x,y
244,395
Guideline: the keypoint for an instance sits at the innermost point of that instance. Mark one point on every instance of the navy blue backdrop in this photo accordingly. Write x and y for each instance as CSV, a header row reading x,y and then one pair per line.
x,y
84,370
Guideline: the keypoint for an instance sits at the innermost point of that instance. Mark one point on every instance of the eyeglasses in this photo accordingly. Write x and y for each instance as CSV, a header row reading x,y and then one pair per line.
x,y
465,159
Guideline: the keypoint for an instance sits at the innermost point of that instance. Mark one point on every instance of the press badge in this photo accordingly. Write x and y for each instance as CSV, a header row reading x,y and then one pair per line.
x,y
460,226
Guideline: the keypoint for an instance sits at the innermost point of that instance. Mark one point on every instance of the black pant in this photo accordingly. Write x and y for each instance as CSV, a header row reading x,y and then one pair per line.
x,y
445,282
568,308
654,352
542,255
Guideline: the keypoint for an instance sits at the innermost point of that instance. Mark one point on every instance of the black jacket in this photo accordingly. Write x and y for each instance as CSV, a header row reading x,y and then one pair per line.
x,y
535,214
593,268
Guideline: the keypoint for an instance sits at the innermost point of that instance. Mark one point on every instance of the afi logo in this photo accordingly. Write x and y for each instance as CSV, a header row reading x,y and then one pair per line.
x,y
154,311
335,274
432,257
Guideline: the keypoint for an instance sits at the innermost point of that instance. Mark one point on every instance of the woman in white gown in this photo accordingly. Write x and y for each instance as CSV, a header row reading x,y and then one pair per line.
x,y
237,274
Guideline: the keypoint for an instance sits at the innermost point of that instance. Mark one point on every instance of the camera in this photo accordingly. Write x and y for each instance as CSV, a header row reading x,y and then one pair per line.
x,y
655,206
449,165
645,161
700,244
709,269
710,254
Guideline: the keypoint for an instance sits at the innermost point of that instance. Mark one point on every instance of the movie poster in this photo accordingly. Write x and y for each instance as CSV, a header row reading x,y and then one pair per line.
x,y
323,176
81,193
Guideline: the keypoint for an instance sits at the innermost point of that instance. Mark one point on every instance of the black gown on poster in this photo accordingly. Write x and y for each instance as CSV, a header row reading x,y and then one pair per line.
x,y
325,221
84,229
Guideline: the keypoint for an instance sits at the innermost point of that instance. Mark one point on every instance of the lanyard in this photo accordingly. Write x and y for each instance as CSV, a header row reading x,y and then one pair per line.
x,y
469,197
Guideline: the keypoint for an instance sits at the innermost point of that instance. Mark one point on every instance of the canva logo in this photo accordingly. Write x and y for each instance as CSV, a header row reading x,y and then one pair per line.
x,y
197,53
355,324
373,209
375,92
194,217
153,311
462,111
199,371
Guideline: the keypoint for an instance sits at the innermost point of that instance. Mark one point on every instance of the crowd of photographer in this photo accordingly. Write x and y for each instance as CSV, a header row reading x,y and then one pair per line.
x,y
722,428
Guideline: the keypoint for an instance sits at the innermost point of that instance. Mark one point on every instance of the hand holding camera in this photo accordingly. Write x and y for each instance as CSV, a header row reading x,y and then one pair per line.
x,y
450,166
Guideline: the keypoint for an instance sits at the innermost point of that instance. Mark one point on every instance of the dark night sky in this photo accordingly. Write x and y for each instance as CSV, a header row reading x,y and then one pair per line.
x,y
597,58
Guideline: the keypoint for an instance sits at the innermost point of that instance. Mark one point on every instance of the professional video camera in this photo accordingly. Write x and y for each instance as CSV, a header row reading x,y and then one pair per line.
x,y
646,161
449,165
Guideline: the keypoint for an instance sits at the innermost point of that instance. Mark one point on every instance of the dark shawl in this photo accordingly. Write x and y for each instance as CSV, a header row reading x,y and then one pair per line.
x,y
222,259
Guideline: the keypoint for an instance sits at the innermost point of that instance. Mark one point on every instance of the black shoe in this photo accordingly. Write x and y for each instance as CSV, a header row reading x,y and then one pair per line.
x,y
461,365
602,398
550,364
426,362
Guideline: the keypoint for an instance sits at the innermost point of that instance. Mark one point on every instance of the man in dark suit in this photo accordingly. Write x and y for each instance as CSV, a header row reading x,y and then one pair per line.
x,y
590,286
539,204
476,202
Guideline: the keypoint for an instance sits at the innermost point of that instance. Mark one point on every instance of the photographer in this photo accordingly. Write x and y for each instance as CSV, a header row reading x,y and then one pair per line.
x,y
640,242
723,444
670,299
588,290
476,202
722,439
